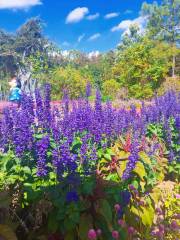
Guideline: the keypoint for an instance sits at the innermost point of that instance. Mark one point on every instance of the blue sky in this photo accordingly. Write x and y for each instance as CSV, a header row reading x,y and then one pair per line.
x,y
87,25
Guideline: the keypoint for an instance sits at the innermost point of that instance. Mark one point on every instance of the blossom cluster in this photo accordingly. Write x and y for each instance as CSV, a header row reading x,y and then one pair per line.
x,y
37,128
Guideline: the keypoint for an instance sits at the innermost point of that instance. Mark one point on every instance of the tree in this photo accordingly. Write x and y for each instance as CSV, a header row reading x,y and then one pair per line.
x,y
111,88
8,59
8,56
77,58
164,24
29,38
101,68
25,53
142,67
69,79
132,36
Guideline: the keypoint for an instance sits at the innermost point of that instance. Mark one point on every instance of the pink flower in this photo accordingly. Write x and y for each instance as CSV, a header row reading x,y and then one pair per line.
x,y
92,234
99,232
115,234
117,207
122,223
136,192
159,234
141,203
158,210
174,225
161,228
177,196
177,216
131,230
161,218
131,187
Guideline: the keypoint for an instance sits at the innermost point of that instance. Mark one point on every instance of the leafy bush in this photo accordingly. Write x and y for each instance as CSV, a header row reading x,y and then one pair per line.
x,y
170,84
142,67
111,88
69,79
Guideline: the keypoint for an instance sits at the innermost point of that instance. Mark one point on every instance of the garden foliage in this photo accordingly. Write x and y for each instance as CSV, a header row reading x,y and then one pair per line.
x,y
86,171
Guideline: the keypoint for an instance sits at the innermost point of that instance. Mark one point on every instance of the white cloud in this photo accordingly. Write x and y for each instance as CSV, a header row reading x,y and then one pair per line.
x,y
94,37
18,4
80,38
111,15
93,17
125,24
77,15
93,54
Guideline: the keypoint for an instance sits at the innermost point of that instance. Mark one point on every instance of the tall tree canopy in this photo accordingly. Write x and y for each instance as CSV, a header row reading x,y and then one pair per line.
x,y
164,23
142,67
17,49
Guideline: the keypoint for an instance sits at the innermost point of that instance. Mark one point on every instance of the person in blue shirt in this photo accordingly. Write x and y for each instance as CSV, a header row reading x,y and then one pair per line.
x,y
15,90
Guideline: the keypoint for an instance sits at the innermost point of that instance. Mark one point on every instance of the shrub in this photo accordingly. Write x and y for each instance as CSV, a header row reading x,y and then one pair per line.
x,y
69,79
142,67
111,88
170,84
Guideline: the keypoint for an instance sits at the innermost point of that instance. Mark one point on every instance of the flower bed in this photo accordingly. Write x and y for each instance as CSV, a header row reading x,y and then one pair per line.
x,y
91,172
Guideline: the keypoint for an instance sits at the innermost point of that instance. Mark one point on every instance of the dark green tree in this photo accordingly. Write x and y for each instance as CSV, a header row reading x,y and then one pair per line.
x,y
29,38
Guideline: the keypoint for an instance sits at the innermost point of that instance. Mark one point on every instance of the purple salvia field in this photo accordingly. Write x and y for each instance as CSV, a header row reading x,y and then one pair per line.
x,y
99,124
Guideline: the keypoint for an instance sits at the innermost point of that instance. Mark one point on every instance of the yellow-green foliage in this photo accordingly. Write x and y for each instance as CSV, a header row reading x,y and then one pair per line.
x,y
69,79
170,84
111,88
142,67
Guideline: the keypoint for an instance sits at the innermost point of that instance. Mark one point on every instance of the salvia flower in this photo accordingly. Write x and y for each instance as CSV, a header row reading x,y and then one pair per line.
x,y
72,196
133,159
41,151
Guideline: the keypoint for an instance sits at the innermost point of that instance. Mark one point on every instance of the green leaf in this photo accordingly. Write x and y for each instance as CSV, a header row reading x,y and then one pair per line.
x,y
123,154
88,186
39,136
155,195
27,170
105,210
76,145
75,216
84,225
100,153
147,216
135,183
70,235
69,224
52,175
140,170
145,158
121,168
107,156
103,161
160,176
142,184
135,211
52,222
109,151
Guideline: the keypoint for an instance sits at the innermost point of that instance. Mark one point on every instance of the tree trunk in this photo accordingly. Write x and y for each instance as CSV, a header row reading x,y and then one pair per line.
x,y
173,65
